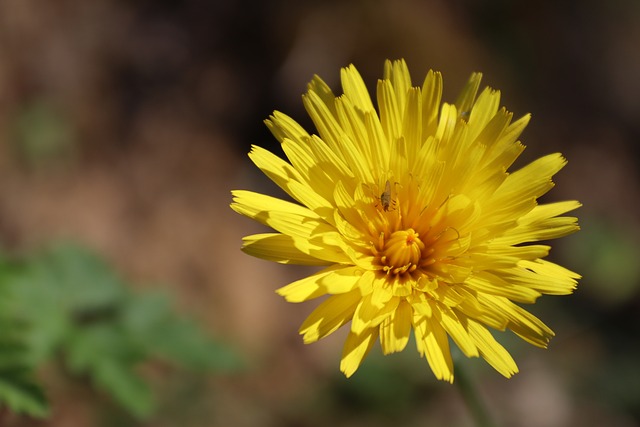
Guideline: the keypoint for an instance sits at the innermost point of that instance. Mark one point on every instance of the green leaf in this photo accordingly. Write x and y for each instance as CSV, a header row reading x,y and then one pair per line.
x,y
21,393
125,387
18,389
150,321
103,352
86,282
56,289
77,308
88,348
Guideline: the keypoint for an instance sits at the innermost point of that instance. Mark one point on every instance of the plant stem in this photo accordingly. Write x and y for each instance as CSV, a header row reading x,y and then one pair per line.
x,y
469,391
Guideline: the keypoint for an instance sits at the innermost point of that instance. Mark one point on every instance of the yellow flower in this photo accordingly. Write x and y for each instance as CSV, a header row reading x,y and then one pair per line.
x,y
413,213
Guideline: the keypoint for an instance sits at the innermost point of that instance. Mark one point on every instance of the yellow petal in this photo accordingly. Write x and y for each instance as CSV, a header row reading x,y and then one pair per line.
x,y
332,133
296,181
483,111
467,97
495,257
433,343
324,120
543,223
355,89
279,248
542,229
390,114
420,304
470,308
380,147
447,122
511,134
454,327
286,217
382,292
520,321
369,315
329,161
491,350
397,73
320,88
543,276
353,125
333,313
283,126
356,348
347,206
549,210
431,96
488,282
395,330
531,181
311,233
412,125
490,132
316,186
332,280
274,167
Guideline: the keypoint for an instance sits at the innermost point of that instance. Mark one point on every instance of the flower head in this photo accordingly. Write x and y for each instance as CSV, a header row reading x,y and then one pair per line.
x,y
415,217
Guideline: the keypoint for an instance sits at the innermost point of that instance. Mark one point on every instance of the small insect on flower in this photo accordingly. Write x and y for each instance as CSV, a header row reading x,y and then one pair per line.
x,y
385,197
448,251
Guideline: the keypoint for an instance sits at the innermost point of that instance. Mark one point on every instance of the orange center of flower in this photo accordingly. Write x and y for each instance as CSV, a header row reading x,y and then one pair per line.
x,y
402,252
402,241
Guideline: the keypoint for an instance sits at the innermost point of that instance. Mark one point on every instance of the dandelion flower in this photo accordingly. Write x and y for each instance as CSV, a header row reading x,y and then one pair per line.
x,y
413,214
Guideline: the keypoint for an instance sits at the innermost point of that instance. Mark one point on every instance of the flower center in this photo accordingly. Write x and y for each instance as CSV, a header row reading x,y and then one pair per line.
x,y
401,252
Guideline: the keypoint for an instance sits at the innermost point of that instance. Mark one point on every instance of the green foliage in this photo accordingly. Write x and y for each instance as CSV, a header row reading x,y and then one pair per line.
x,y
18,389
77,308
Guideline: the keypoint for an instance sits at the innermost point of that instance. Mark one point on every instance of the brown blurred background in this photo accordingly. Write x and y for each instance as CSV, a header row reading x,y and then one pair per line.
x,y
125,124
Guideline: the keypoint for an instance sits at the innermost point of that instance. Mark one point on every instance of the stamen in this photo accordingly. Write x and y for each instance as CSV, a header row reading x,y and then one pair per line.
x,y
403,252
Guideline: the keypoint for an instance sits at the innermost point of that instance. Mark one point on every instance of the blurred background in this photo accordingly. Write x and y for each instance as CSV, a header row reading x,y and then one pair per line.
x,y
125,124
